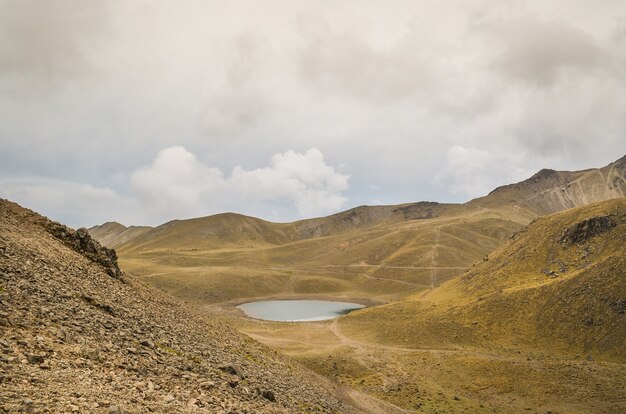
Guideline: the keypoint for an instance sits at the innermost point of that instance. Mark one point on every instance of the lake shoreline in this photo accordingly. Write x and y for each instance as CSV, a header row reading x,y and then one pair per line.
x,y
304,310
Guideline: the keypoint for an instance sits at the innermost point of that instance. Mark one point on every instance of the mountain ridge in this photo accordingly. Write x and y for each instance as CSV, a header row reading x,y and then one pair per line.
x,y
390,250
540,194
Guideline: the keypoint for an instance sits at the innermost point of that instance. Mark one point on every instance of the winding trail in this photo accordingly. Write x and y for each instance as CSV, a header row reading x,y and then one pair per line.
x,y
386,279
368,404
383,266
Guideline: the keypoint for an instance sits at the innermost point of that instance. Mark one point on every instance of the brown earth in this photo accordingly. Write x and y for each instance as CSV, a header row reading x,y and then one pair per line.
x,y
77,336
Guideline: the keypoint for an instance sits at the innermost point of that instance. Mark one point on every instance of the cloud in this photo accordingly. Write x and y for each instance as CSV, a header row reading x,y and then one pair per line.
x,y
539,52
71,203
47,43
177,184
397,91
340,62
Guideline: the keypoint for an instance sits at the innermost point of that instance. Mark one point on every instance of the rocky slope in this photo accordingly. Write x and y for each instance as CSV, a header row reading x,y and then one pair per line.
x,y
78,336
550,191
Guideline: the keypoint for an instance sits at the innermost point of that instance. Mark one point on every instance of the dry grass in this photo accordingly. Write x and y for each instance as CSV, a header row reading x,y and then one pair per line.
x,y
507,336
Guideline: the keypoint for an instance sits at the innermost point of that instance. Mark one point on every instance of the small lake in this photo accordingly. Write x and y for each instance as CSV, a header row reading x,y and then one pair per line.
x,y
298,310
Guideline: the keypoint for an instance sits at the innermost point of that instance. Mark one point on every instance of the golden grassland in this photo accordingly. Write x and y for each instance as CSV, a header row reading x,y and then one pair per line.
x,y
474,311
383,263
507,336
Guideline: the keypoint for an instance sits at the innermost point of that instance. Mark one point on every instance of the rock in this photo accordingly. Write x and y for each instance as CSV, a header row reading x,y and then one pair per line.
x,y
168,399
147,343
268,395
114,409
233,370
586,229
207,385
35,359
81,242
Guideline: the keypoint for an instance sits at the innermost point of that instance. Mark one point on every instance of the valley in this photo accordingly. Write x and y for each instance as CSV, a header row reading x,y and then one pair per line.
x,y
478,307
312,207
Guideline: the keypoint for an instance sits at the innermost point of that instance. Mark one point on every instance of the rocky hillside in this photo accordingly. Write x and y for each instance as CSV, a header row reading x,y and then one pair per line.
x,y
550,191
76,335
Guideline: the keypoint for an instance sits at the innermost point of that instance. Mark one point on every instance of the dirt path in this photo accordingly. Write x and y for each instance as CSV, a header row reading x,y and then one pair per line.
x,y
433,258
386,279
368,404
345,340
382,266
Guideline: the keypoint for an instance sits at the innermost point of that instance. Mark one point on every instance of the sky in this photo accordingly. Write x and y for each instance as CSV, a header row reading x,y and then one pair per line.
x,y
145,111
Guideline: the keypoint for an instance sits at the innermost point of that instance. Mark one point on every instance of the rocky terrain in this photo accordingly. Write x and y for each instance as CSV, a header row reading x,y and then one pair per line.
x,y
76,335
550,191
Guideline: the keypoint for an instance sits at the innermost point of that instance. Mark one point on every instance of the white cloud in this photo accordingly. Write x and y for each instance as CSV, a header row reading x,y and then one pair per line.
x,y
178,185
74,204
393,90
175,184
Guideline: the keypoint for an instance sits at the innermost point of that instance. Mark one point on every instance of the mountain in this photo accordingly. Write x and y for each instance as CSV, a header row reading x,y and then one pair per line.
x,y
550,191
78,335
538,326
233,230
546,192
112,234
380,251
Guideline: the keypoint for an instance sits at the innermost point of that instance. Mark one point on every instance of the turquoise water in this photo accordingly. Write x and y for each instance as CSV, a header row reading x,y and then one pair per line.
x,y
297,310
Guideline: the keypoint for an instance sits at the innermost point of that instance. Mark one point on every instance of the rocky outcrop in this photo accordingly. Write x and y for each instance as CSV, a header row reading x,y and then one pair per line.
x,y
586,229
81,242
